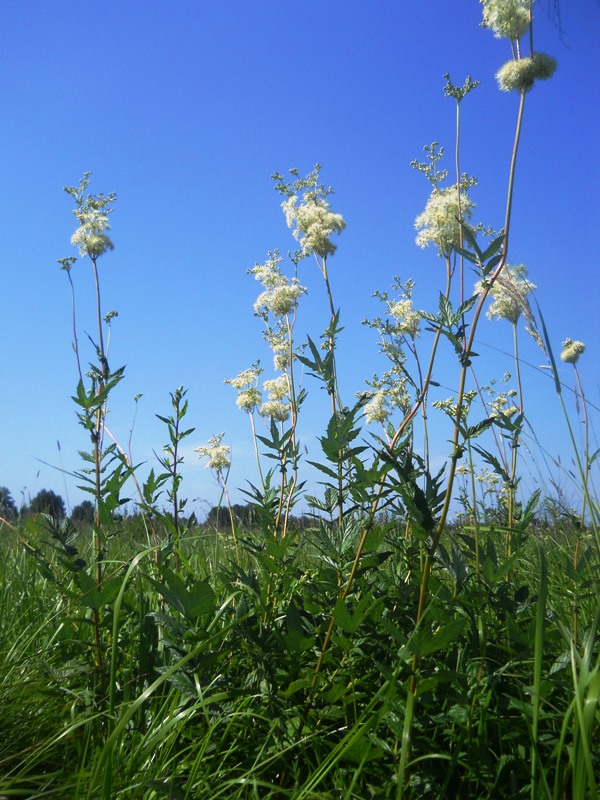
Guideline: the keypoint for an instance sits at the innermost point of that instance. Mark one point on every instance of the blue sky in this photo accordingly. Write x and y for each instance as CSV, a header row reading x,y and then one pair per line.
x,y
185,109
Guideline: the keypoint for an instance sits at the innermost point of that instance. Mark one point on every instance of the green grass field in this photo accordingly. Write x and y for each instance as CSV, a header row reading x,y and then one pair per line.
x,y
205,683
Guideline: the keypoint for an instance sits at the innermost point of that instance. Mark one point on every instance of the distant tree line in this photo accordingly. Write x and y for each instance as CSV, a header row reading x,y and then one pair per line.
x,y
45,502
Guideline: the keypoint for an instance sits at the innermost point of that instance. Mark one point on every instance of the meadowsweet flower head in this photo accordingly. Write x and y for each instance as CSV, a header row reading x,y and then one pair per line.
x,y
92,212
280,347
439,223
406,318
450,407
216,453
90,243
520,74
501,406
313,223
377,409
246,378
269,273
277,388
571,351
281,294
275,409
249,396
510,293
507,18
279,300
249,399
281,359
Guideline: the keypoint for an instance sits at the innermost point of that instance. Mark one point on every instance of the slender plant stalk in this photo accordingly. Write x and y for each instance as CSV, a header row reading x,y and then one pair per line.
x,y
586,443
512,489
476,316
424,587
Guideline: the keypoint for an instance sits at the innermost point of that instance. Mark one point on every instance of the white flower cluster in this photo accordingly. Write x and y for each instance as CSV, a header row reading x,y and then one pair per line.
x,y
378,408
92,215
277,387
313,222
439,223
248,399
90,237
280,347
489,478
450,407
218,454
510,293
249,396
281,300
572,349
519,75
275,407
281,295
406,319
507,18
503,405
387,394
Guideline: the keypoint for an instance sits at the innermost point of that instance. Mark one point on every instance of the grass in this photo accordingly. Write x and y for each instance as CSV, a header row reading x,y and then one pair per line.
x,y
208,677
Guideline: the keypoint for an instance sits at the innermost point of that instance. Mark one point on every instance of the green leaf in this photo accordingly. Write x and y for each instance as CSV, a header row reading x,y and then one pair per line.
x,y
493,247
557,383
465,307
444,636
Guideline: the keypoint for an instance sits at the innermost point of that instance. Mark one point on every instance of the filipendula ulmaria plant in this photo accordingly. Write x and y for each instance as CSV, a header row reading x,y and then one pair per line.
x,y
171,461
106,470
276,306
490,264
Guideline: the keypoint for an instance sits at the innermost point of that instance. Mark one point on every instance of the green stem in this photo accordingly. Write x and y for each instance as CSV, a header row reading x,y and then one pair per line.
x,y
587,500
256,453
424,588
475,514
336,401
476,316
586,444
514,444
74,322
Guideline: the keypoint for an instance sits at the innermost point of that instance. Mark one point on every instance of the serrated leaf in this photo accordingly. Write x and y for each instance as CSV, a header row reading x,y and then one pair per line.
x,y
445,635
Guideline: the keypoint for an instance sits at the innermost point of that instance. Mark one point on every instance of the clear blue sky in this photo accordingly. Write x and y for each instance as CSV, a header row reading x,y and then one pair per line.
x,y
185,109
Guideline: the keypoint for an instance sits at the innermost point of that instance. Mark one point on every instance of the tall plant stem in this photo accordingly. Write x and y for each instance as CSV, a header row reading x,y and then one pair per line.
x,y
256,453
583,469
469,345
512,489
424,588
294,411
586,443
74,323
587,500
98,437
98,434
459,198
231,521
334,392
475,514
101,352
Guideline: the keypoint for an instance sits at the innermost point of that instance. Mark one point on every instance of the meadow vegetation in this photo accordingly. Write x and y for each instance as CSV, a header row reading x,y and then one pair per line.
x,y
367,642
